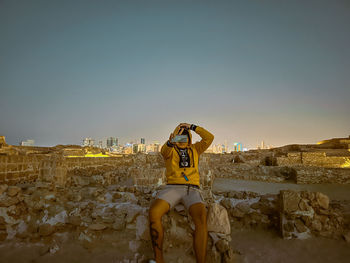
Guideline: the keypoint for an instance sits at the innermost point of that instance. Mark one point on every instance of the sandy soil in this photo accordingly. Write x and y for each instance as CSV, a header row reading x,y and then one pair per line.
x,y
266,246
253,245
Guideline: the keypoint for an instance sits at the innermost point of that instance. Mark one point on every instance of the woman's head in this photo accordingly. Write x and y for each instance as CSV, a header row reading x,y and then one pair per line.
x,y
183,131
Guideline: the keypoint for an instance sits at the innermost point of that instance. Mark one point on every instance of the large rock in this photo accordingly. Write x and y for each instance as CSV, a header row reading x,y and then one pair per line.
x,y
290,201
3,188
119,223
46,229
97,226
132,212
9,201
322,200
222,245
217,219
244,207
13,190
299,225
74,220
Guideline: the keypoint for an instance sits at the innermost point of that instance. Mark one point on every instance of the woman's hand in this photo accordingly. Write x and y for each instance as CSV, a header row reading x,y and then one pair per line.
x,y
186,125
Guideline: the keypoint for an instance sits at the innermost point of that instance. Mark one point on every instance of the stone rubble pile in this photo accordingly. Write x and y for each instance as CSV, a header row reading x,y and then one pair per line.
x,y
42,213
304,214
249,209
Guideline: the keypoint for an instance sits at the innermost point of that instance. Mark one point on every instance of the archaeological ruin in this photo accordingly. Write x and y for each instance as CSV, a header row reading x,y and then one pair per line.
x,y
53,195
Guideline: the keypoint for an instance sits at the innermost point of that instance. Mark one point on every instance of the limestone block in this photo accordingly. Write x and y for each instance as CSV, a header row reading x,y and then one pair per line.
x,y
132,213
9,201
81,180
119,223
322,200
299,225
97,226
290,201
74,220
13,190
222,245
244,207
236,213
217,219
3,188
46,229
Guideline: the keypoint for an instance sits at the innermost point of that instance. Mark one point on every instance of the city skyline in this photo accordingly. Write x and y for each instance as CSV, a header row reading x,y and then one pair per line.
x,y
247,71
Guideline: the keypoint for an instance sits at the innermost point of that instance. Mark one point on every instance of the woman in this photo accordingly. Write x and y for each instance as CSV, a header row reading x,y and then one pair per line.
x,y
181,160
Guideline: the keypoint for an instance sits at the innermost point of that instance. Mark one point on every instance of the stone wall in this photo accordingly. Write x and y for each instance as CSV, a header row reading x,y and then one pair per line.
x,y
249,209
318,159
40,213
321,175
63,171
100,212
294,214
16,168
304,214
139,169
145,169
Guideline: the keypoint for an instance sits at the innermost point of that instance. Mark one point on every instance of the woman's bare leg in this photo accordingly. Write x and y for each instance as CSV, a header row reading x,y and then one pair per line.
x,y
198,213
156,211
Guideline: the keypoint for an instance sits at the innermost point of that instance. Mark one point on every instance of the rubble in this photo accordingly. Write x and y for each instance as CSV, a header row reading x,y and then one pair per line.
x,y
43,195
304,214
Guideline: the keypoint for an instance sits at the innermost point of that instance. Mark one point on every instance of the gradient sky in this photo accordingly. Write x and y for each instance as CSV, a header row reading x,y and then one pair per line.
x,y
247,71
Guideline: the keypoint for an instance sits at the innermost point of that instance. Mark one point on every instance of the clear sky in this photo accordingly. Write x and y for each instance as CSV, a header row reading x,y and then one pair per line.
x,y
247,71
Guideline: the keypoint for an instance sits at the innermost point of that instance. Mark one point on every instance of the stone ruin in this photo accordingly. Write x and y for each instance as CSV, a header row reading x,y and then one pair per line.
x,y
305,213
50,199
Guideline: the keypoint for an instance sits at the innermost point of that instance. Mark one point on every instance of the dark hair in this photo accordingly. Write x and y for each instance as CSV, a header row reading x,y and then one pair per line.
x,y
186,132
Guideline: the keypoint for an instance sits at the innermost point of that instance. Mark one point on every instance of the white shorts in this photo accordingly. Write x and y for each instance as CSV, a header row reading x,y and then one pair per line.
x,y
175,194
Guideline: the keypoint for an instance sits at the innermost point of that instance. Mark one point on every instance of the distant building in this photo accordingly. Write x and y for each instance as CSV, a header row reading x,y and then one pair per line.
x,y
143,141
135,148
127,150
153,148
138,148
27,143
88,142
216,148
100,144
112,141
237,147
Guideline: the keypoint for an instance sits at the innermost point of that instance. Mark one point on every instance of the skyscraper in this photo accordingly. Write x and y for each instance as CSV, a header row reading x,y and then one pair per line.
x,y
27,143
88,142
112,141
143,141
237,147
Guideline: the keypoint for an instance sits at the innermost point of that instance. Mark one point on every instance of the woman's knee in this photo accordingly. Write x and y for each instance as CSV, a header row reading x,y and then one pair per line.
x,y
199,214
158,209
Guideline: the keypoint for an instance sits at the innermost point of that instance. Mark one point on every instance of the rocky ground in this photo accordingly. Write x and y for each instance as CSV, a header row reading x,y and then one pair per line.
x,y
253,245
42,223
